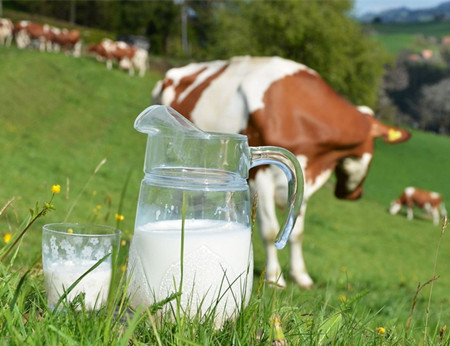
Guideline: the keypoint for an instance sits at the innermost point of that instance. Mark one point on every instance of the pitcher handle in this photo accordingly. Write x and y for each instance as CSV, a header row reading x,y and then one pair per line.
x,y
291,167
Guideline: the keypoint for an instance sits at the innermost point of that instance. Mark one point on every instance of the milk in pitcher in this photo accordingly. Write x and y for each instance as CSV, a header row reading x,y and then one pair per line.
x,y
217,265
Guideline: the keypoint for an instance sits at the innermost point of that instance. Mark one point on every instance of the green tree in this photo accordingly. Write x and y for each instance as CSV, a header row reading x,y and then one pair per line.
x,y
319,34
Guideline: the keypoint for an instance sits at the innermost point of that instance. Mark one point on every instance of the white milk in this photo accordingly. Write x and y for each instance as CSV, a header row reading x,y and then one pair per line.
x,y
218,266
60,275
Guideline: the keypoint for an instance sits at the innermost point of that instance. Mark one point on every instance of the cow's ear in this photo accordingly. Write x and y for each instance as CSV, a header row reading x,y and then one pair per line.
x,y
390,134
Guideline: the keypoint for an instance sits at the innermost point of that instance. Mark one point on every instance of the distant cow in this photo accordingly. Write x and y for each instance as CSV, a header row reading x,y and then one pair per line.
x,y
412,197
66,40
6,31
26,32
279,102
127,56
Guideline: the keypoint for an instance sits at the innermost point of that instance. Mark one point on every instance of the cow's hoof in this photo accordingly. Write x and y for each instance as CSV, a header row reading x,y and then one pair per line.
x,y
303,280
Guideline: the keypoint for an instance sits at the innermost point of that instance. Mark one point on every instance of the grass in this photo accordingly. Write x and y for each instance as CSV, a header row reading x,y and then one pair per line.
x,y
396,37
62,116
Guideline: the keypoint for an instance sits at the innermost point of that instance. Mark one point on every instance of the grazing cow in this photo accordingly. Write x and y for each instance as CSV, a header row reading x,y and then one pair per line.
x,y
279,102
412,197
6,31
26,32
66,40
127,56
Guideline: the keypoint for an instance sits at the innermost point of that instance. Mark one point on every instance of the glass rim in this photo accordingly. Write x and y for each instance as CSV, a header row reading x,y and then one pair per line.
x,y
62,227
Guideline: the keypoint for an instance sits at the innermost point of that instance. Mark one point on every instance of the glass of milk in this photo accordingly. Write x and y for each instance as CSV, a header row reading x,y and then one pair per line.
x,y
69,250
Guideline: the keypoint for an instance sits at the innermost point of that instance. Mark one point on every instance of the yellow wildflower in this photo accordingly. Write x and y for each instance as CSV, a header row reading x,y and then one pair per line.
x,y
381,330
123,268
119,217
56,189
70,230
342,298
99,207
123,243
7,238
278,335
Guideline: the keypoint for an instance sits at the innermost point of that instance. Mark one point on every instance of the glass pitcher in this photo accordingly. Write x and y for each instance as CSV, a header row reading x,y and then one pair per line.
x,y
192,238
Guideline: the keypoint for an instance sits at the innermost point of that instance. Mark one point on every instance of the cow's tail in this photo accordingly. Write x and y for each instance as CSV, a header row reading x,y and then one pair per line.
x,y
443,210
157,92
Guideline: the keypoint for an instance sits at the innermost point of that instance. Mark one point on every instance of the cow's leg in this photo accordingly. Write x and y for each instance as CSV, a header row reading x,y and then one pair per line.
x,y
22,39
409,212
298,268
42,44
142,71
436,216
77,49
109,64
268,223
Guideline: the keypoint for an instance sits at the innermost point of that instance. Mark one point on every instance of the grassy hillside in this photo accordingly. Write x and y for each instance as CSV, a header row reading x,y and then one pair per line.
x,y
396,37
61,116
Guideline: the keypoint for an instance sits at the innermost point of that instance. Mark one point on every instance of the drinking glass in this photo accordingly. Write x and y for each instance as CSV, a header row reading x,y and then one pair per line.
x,y
69,251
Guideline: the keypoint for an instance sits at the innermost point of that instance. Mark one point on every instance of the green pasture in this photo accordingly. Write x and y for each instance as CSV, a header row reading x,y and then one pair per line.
x,y
398,36
61,116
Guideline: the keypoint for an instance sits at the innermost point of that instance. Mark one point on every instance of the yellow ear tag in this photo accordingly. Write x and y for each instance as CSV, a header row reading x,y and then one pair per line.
x,y
393,135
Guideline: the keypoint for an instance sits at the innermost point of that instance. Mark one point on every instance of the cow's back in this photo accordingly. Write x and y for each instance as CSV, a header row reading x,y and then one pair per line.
x,y
287,103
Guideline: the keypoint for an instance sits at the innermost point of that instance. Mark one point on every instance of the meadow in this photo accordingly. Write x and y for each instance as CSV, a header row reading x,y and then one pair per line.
x,y
61,118
411,36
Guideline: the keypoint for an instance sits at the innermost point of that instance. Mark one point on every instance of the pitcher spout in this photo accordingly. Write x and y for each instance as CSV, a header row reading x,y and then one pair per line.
x,y
164,120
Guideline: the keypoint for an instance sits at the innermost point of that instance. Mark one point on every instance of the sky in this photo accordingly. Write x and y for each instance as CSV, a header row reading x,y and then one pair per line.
x,y
364,6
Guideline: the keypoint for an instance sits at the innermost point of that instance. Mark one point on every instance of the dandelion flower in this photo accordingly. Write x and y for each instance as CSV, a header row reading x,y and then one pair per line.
x,y
119,217
56,189
70,230
123,268
98,207
7,238
123,243
381,330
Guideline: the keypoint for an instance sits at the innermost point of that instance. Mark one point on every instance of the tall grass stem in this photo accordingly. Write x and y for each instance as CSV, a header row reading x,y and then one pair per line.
x,y
102,162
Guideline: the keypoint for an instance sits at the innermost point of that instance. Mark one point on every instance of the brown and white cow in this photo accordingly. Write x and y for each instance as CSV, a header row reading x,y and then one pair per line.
x,y
412,197
26,32
6,31
279,102
66,40
128,57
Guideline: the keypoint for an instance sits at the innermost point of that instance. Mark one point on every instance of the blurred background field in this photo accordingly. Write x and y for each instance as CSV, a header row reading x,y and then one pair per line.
x,y
62,116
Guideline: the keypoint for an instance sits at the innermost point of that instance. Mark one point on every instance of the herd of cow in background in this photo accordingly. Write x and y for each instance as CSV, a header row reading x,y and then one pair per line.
x,y
48,38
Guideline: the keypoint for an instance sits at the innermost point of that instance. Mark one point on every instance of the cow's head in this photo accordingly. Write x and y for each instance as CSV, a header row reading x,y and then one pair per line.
x,y
352,170
395,207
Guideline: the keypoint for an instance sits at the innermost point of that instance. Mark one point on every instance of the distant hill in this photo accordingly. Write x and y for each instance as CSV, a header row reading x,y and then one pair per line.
x,y
406,15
